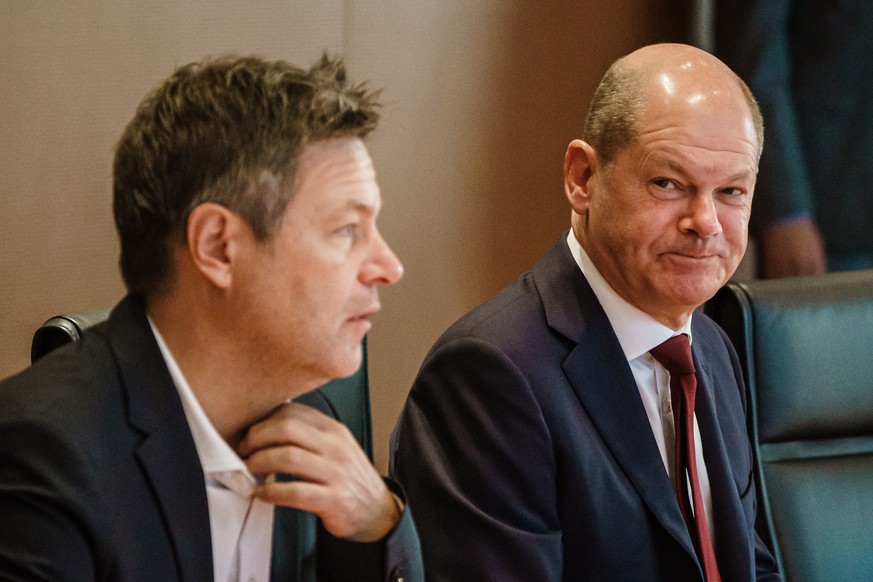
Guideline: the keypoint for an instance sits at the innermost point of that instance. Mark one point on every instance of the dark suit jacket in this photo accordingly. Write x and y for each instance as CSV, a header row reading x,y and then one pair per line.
x,y
100,478
526,452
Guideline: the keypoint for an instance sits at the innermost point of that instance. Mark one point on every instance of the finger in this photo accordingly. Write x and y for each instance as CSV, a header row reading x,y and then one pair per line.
x,y
303,495
335,443
295,461
276,433
307,414
321,500
292,424
358,514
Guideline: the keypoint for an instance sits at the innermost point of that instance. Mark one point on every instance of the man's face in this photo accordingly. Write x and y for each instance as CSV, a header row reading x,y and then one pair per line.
x,y
309,292
667,221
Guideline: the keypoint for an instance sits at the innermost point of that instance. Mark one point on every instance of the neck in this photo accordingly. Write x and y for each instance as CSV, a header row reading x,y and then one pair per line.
x,y
212,368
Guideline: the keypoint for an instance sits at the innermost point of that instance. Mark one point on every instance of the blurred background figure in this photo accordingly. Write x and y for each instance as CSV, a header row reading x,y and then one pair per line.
x,y
808,63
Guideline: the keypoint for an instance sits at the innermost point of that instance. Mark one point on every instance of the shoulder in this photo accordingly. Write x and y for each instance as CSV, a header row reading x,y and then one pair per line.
x,y
709,334
77,392
515,305
63,414
712,343
549,300
64,380
54,417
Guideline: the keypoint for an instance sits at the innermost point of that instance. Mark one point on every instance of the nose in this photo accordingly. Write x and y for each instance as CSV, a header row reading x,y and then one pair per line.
x,y
383,267
701,217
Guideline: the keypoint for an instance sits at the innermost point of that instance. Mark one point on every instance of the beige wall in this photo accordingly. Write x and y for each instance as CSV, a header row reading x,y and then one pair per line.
x,y
481,99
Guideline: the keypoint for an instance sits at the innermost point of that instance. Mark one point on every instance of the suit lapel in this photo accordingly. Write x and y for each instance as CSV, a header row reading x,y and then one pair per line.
x,y
730,533
601,377
167,453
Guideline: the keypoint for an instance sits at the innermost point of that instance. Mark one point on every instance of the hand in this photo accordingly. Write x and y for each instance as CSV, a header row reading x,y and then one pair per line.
x,y
335,479
792,248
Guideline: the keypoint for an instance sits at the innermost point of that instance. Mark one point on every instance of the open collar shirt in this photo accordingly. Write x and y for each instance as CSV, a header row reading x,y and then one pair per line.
x,y
241,525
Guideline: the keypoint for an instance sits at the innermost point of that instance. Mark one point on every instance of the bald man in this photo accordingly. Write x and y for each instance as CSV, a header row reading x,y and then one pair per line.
x,y
539,441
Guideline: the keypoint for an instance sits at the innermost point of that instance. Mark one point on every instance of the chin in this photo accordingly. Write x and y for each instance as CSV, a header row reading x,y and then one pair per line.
x,y
688,298
699,287
696,301
350,362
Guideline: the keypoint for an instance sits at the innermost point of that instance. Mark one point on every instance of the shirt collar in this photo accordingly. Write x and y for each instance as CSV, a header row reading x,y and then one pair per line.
x,y
216,456
637,331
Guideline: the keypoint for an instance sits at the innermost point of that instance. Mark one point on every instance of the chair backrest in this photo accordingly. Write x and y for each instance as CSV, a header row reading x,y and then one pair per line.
x,y
349,397
806,347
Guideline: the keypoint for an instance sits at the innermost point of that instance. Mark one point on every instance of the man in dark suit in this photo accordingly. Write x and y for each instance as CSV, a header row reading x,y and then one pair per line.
x,y
538,439
159,446
808,62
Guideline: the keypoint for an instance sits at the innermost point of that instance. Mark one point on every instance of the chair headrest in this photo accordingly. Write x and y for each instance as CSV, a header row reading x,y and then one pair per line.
x,y
811,342
63,329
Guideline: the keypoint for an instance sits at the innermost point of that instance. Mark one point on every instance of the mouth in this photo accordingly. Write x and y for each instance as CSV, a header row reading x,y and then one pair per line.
x,y
363,317
691,258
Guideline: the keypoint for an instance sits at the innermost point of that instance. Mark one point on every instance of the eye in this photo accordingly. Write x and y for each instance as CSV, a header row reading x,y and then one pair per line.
x,y
665,183
733,195
667,189
347,230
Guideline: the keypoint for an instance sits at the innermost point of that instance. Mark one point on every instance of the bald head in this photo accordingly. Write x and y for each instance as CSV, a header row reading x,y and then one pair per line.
x,y
663,76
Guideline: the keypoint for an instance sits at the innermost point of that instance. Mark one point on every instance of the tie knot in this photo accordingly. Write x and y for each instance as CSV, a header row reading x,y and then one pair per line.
x,y
675,355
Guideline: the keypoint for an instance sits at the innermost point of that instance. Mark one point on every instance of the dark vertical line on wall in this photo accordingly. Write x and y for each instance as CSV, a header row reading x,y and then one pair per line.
x,y
701,24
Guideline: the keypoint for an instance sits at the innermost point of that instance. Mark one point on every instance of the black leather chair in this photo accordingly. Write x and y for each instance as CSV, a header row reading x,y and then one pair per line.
x,y
806,347
350,397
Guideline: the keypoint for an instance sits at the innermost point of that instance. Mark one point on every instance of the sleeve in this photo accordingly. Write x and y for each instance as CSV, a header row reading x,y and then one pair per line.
x,y
396,558
403,550
753,38
473,452
44,534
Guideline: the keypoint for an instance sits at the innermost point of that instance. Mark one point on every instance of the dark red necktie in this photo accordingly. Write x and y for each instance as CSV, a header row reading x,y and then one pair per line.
x,y
675,355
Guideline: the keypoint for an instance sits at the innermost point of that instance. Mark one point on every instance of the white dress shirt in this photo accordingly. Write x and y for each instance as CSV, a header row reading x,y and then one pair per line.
x,y
241,525
638,333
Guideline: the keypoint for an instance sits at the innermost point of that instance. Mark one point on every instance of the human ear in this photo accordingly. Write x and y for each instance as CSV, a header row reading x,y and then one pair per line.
x,y
213,236
579,164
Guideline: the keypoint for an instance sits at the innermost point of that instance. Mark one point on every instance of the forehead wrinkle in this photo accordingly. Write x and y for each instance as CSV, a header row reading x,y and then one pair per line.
x,y
675,165
719,143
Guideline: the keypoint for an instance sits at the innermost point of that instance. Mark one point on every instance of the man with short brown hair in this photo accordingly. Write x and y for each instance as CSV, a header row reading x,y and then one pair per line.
x,y
158,446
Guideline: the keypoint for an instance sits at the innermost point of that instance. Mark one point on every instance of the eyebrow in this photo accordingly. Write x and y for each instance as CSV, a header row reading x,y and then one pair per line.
x,y
679,168
359,206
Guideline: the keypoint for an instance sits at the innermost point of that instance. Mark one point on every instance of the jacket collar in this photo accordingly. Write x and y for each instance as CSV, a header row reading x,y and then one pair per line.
x,y
602,379
166,453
